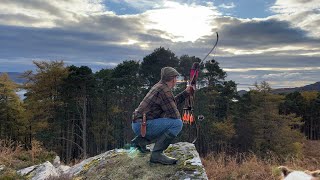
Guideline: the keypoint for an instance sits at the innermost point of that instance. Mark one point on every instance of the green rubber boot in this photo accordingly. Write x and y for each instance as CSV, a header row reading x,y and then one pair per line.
x,y
140,143
162,144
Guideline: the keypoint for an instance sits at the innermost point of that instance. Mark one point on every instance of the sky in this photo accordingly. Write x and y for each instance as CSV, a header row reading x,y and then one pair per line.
x,y
277,41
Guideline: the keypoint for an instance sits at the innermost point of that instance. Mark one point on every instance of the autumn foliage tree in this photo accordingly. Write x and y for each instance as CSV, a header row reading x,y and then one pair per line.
x,y
12,121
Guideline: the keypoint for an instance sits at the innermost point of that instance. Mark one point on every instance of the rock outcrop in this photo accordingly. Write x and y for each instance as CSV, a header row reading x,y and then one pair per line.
x,y
2,167
126,164
44,171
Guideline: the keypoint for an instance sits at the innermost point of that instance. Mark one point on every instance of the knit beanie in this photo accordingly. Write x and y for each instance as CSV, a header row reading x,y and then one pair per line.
x,y
167,73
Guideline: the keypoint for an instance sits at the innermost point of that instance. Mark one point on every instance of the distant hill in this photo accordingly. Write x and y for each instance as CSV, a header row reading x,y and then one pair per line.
x,y
15,76
242,92
310,87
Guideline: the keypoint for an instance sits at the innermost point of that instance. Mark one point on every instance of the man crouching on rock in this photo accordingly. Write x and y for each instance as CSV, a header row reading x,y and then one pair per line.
x,y
157,117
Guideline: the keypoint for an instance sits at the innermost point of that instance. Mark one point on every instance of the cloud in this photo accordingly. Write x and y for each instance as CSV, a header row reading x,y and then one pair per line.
x,y
284,75
53,44
248,76
267,36
178,20
275,79
89,33
250,62
261,32
271,69
298,70
227,6
304,14
290,79
142,5
47,13
293,6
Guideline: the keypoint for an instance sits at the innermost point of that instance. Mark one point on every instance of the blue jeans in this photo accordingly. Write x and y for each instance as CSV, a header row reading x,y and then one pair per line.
x,y
156,127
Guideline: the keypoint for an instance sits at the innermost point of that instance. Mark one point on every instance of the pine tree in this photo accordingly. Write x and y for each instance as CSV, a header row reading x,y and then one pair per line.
x,y
264,129
43,100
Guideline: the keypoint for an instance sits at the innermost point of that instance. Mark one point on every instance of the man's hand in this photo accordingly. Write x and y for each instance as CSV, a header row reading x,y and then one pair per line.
x,y
189,89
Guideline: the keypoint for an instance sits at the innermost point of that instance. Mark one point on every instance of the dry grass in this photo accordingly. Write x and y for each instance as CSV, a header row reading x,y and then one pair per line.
x,y
14,157
239,166
249,166
8,151
36,149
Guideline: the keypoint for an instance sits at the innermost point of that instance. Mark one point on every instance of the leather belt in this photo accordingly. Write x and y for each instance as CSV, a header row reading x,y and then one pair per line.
x,y
136,117
136,120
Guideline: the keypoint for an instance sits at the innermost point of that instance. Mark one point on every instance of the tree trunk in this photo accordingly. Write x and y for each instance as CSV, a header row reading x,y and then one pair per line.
x,y
84,128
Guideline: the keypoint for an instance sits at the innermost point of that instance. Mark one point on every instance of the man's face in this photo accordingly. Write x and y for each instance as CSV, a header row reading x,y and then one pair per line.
x,y
175,79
